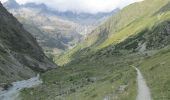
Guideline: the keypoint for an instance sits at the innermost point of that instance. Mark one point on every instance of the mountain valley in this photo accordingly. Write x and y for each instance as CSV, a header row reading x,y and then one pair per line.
x,y
55,31
97,57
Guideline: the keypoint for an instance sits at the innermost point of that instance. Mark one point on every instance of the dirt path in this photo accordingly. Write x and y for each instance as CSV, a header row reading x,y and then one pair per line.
x,y
143,89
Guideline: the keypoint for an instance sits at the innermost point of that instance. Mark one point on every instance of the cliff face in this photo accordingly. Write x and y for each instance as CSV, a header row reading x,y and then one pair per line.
x,y
20,54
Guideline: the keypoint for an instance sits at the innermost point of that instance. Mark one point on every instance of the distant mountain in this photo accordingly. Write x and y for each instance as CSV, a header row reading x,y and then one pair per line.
x,y
86,18
56,31
41,6
11,4
83,18
20,55
51,32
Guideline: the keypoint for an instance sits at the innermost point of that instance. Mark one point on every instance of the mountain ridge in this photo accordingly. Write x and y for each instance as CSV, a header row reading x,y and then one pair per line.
x,y
20,55
68,15
56,31
126,24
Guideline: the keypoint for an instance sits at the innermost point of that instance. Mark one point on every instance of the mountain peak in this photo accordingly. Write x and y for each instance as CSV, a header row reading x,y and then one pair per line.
x,y
11,4
35,5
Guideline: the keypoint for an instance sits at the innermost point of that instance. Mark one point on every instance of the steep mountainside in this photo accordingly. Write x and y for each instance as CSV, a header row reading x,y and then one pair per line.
x,y
51,32
20,55
137,20
57,31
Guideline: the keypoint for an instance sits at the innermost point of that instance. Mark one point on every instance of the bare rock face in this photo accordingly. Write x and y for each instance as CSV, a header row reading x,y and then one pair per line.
x,y
20,55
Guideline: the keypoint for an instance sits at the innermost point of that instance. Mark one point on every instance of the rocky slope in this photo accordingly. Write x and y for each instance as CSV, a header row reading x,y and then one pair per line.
x,y
20,55
51,32
56,31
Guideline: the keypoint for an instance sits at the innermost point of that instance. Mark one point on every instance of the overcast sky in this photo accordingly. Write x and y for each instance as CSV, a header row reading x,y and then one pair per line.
x,y
90,6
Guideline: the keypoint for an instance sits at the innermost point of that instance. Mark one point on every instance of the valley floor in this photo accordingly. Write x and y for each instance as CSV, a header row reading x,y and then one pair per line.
x,y
106,78
110,78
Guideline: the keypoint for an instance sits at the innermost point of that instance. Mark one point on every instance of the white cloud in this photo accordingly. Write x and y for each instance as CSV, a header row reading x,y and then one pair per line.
x,y
91,6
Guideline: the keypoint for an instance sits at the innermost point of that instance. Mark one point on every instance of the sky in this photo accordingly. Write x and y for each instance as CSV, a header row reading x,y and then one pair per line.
x,y
88,6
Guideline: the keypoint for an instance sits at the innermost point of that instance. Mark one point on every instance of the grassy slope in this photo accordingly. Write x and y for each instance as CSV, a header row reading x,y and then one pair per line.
x,y
88,80
156,70
95,79
128,22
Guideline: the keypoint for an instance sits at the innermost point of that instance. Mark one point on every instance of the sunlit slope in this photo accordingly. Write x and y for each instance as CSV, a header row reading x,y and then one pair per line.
x,y
129,22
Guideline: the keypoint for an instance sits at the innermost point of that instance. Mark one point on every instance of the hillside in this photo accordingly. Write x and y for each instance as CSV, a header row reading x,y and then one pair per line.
x,y
52,32
55,31
138,19
20,55
99,68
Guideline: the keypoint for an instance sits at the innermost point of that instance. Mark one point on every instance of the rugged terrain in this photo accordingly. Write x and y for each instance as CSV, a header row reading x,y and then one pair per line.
x,y
100,66
20,55
55,31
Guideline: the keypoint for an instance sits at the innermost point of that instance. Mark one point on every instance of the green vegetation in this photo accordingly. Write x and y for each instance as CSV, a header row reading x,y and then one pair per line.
x,y
156,70
109,76
127,23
